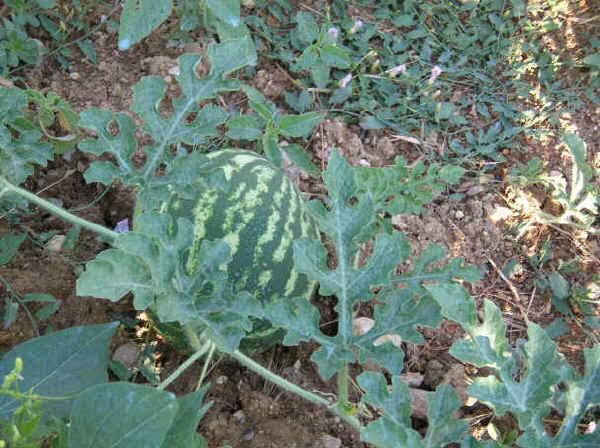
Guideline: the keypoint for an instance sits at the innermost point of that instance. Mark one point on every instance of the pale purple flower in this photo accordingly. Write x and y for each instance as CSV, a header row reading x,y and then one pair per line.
x,y
356,26
397,69
122,226
435,72
345,80
334,32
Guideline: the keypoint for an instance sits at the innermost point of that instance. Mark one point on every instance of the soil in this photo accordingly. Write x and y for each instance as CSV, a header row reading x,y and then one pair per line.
x,y
247,412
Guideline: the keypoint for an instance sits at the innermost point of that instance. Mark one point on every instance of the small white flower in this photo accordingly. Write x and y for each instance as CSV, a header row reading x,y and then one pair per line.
x,y
334,32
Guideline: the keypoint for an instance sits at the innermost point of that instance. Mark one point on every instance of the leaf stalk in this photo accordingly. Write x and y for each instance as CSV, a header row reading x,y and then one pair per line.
x,y
291,387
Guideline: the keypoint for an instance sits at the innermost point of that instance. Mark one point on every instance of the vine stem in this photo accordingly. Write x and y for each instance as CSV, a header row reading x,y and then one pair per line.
x,y
188,362
291,387
96,228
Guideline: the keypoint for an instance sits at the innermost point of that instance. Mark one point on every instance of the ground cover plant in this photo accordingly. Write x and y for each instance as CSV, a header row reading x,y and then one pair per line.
x,y
209,293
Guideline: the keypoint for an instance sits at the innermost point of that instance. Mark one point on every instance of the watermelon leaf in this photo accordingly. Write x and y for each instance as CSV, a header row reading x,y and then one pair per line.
x,y
442,428
347,218
226,10
127,273
152,263
165,131
394,428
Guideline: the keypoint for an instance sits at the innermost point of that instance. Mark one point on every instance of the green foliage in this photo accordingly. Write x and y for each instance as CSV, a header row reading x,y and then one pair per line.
x,y
49,363
64,374
19,152
17,47
346,225
526,378
20,430
140,18
578,197
165,131
268,124
399,189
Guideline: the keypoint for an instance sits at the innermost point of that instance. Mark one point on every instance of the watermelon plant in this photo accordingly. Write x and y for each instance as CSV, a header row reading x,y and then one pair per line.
x,y
224,248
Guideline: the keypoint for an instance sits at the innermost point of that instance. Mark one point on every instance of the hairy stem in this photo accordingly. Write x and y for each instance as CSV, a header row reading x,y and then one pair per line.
x,y
342,383
291,387
96,228
188,362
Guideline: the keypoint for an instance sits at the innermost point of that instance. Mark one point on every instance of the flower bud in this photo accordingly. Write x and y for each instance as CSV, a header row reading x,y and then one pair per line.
x,y
357,25
395,70
345,80
375,65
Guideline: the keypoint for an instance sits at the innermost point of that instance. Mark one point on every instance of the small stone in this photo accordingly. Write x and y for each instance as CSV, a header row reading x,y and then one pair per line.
x,y
75,76
459,214
127,354
414,379
393,338
327,441
174,71
249,3
239,417
56,243
222,380
475,190
362,325
248,434
419,403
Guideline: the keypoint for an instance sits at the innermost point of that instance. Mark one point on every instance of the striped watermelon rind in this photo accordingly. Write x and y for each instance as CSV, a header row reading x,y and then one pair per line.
x,y
260,216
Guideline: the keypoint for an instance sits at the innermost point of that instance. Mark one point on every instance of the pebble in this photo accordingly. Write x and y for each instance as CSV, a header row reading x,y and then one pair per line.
x,y
222,379
239,417
327,441
56,243
127,354
248,434
459,214
75,76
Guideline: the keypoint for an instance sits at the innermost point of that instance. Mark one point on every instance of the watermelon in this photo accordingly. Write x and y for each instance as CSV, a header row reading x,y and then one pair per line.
x,y
259,217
